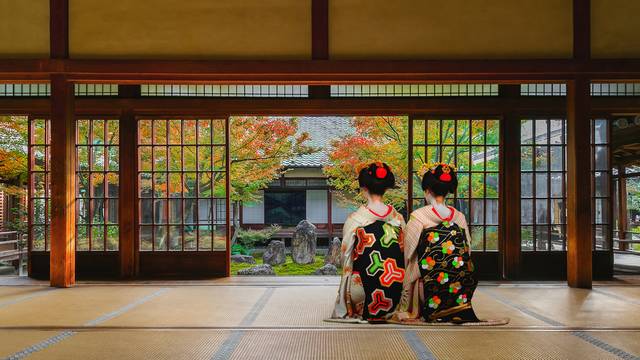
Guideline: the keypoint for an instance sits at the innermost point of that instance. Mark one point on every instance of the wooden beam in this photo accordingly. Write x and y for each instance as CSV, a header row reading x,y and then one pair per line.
x,y
579,206
59,29
320,72
510,188
582,29
334,106
320,29
127,200
63,194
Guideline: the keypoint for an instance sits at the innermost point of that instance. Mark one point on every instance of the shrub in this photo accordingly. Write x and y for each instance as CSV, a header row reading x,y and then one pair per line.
x,y
247,239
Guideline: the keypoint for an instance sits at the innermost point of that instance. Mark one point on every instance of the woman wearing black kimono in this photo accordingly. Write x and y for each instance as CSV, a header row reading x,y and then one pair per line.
x,y
372,253
440,276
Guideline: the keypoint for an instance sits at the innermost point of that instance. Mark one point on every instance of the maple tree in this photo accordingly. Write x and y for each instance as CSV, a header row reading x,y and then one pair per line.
x,y
13,165
13,151
376,138
258,146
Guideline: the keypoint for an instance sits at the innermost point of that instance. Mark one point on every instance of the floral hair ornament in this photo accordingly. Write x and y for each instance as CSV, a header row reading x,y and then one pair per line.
x,y
431,167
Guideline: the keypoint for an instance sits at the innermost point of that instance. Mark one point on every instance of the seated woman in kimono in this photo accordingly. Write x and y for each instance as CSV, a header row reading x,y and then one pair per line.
x,y
439,280
372,253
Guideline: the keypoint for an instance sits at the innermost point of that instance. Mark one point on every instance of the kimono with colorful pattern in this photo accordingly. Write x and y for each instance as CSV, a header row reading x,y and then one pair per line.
x,y
374,242
414,300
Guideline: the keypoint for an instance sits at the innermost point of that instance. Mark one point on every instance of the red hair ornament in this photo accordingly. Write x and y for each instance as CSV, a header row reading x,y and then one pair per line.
x,y
381,173
445,176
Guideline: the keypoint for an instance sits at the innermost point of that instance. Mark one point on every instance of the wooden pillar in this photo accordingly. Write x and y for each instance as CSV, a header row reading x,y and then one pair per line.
x,y
59,29
510,187
319,42
579,206
63,194
127,202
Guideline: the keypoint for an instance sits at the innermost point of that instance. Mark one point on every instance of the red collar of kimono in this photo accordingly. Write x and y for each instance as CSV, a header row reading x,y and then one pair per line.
x,y
389,208
440,217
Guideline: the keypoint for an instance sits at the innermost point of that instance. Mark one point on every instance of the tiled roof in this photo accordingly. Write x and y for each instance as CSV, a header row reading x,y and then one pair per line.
x,y
321,130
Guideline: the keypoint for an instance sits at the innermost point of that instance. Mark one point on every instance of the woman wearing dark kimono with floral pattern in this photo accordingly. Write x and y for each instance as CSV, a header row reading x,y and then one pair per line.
x,y
372,253
440,276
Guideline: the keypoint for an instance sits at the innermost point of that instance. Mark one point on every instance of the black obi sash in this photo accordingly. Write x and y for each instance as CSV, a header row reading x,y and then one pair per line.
x,y
446,270
379,260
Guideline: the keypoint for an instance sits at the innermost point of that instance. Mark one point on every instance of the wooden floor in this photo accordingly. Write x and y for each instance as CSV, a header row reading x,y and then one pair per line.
x,y
281,318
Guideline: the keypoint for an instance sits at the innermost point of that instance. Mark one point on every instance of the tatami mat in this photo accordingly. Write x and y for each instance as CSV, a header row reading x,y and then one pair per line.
x,y
192,307
323,344
574,307
135,345
511,345
305,306
628,341
245,320
12,341
71,307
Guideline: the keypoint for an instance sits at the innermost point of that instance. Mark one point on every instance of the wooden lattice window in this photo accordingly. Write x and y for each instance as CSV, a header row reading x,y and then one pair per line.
x,y
182,187
543,184
601,184
97,181
473,146
39,184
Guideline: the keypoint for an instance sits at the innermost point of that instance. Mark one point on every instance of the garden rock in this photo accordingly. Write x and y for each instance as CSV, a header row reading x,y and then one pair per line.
x,y
244,259
327,269
274,254
303,244
264,269
333,254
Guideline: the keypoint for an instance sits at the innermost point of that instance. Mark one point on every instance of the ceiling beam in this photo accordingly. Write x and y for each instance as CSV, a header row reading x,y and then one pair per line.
x,y
320,72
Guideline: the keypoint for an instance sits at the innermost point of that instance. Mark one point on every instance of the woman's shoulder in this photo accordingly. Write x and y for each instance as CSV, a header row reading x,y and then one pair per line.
x,y
458,216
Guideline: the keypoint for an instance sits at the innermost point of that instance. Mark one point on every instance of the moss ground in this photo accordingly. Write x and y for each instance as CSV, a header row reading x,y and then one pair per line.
x,y
288,268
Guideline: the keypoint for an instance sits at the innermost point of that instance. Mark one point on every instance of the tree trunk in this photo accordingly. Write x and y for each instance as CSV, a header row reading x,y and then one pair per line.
x,y
235,221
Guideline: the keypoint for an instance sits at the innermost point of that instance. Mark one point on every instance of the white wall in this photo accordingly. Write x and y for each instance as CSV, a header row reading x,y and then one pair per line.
x,y
339,213
254,213
317,206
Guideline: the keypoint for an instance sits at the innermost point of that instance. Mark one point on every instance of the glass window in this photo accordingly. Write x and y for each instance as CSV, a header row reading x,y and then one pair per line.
x,y
601,184
97,184
473,146
39,184
285,208
182,184
543,184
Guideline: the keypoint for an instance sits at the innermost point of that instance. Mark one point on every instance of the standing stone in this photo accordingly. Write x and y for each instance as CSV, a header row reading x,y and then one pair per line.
x,y
303,244
274,254
333,255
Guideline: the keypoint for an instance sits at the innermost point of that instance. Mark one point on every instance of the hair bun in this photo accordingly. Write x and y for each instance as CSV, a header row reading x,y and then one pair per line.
x,y
440,178
381,173
376,177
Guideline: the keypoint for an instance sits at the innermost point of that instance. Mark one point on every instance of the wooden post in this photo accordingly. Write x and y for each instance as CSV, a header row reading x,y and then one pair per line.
x,y
63,194
128,187
319,42
59,29
579,207
510,242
